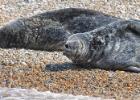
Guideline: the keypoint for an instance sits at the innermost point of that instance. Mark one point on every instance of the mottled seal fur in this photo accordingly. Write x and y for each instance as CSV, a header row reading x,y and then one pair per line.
x,y
115,46
50,30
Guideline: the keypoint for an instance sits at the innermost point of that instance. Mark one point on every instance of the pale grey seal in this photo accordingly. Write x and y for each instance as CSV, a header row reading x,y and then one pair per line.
x,y
114,46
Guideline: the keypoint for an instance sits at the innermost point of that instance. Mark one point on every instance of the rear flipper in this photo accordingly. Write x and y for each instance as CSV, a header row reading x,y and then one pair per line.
x,y
133,69
135,26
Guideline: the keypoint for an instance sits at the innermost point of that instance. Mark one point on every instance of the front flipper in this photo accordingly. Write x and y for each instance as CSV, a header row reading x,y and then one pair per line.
x,y
133,69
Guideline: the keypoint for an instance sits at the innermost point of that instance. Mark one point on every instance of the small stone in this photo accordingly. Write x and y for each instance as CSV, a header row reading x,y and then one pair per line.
x,y
24,63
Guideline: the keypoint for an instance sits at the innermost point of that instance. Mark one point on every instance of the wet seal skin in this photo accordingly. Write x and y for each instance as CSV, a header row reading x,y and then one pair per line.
x,y
115,46
50,30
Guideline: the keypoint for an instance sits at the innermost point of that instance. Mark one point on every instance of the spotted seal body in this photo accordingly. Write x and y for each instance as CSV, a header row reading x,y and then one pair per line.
x,y
114,46
50,30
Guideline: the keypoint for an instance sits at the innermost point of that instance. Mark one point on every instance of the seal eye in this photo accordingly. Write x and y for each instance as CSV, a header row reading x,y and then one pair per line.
x,y
66,46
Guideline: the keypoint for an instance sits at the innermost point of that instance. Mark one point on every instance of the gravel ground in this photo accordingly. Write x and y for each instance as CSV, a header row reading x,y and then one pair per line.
x,y
51,71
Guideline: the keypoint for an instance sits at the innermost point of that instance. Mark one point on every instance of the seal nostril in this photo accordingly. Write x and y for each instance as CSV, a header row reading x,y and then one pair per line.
x,y
66,46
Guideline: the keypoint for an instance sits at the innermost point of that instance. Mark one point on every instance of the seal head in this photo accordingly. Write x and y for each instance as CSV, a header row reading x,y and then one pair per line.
x,y
84,48
77,47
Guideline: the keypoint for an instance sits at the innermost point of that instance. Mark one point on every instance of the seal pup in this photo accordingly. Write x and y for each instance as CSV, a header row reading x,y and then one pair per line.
x,y
115,46
50,30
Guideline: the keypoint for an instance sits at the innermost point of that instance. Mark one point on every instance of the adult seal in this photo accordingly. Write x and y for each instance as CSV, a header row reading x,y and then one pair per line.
x,y
115,46
50,30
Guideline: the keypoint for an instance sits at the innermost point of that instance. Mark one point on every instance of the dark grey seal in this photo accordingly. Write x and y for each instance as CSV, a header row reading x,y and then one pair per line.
x,y
115,46
50,30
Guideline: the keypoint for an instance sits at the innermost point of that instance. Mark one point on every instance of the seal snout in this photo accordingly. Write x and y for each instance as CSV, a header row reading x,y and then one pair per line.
x,y
70,48
71,45
66,46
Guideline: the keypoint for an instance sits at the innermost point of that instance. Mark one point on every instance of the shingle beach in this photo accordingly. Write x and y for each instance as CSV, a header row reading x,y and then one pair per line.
x,y
52,71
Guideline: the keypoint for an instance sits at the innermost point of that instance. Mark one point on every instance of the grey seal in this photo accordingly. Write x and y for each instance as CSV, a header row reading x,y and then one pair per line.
x,y
50,30
115,46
